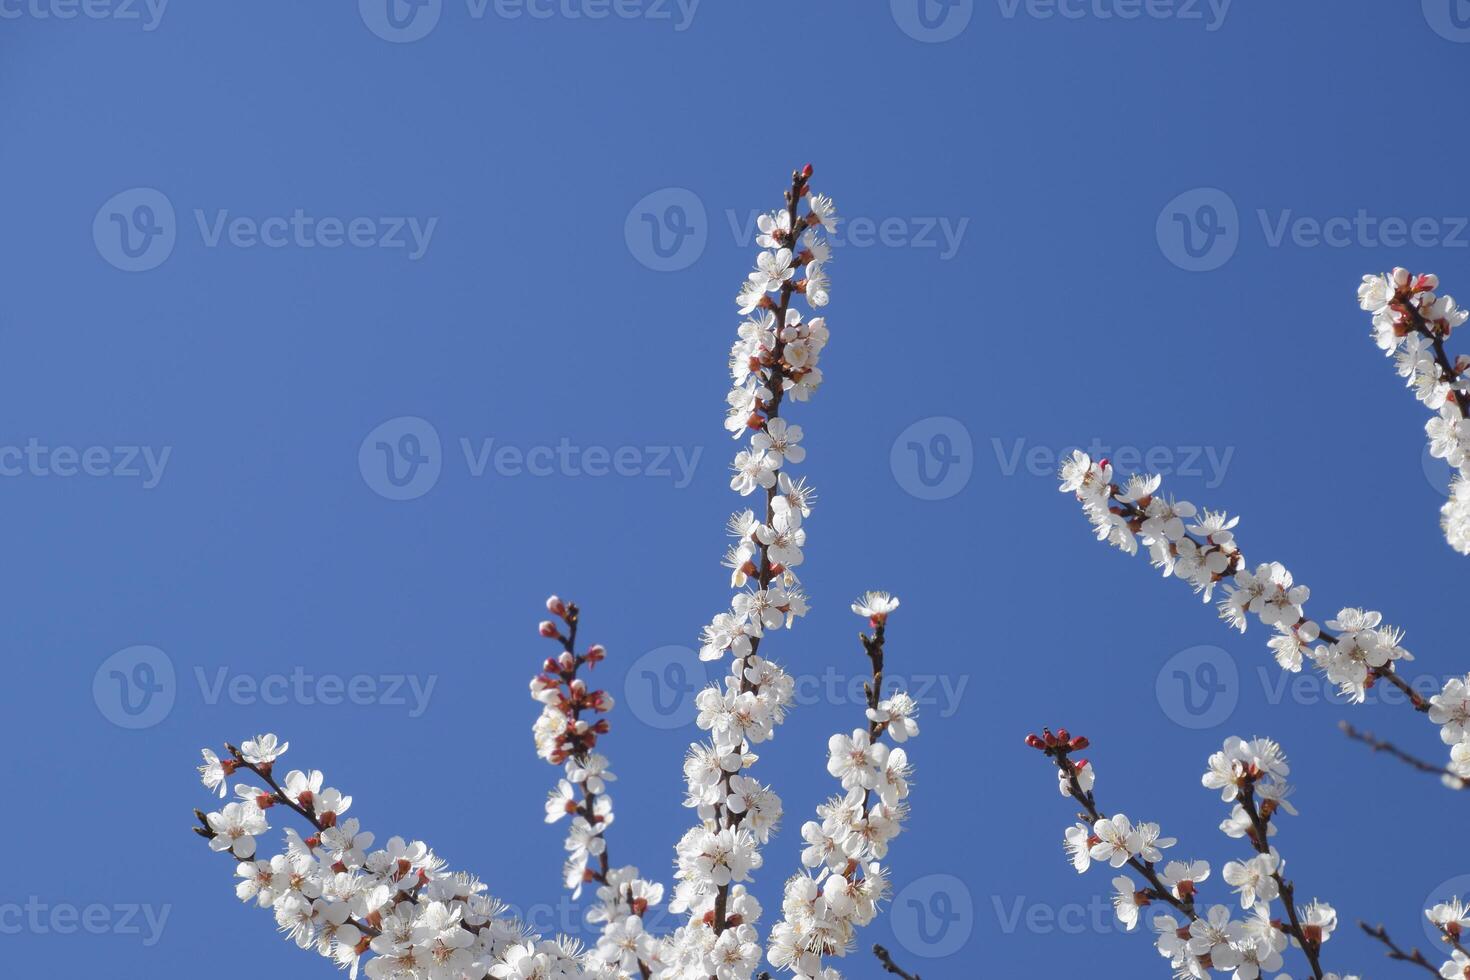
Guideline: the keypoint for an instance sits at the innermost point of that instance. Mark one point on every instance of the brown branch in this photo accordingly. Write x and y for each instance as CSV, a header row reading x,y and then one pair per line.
x,y
891,966
1058,753
1394,952
1381,745
1311,946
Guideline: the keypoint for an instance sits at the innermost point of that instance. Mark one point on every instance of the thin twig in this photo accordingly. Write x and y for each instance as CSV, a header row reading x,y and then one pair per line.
x,y
1381,745
891,966
1395,952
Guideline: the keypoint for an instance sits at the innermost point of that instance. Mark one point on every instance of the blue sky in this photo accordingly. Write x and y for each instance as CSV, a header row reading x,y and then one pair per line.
x,y
504,244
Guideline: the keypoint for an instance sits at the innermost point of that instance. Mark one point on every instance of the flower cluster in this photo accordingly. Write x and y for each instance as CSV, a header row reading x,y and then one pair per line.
x,y
1355,650
335,893
565,738
824,906
1411,323
774,357
1195,939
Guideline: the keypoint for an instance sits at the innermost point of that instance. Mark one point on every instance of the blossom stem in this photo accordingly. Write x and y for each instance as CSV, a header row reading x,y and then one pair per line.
x,y
1385,672
1158,889
891,966
1380,745
1259,838
1395,952
765,573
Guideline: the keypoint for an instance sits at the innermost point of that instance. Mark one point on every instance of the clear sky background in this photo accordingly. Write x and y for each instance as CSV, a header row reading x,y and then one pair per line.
x,y
1017,284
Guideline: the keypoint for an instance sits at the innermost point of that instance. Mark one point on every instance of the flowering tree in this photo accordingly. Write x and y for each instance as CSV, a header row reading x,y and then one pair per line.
x,y
398,912
1411,324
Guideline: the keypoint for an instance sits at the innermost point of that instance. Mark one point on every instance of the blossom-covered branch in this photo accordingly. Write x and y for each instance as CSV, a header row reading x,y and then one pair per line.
x,y
565,738
1411,323
775,357
1355,651
332,893
821,912
1252,776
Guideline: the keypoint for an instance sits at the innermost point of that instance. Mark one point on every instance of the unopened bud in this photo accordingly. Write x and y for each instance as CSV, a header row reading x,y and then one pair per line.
x,y
548,629
556,607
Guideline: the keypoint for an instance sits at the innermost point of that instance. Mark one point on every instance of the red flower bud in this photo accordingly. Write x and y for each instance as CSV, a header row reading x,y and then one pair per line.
x,y
548,629
806,171
556,607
